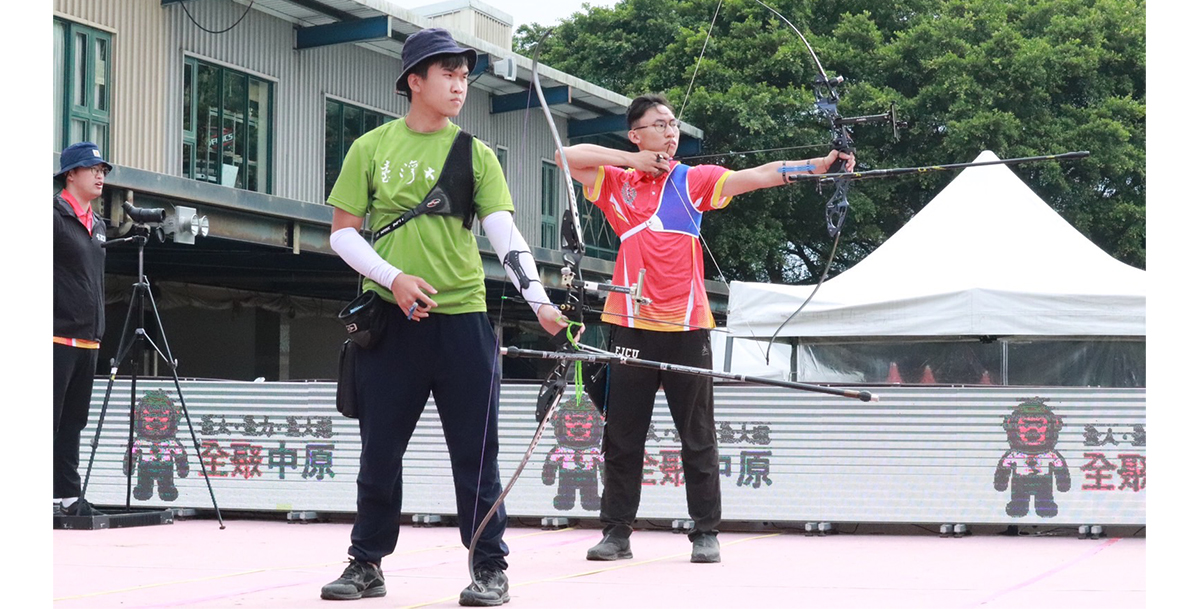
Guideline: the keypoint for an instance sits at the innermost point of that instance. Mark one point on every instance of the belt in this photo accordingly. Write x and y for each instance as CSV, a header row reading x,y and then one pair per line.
x,y
84,343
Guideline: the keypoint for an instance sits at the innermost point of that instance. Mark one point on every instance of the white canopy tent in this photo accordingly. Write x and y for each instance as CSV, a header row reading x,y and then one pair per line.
x,y
985,258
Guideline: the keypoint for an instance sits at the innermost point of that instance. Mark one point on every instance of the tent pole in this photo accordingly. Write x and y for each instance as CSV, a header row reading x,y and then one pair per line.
x,y
1004,351
729,353
795,358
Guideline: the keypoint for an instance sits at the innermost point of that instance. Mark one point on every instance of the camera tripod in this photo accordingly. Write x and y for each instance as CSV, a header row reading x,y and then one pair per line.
x,y
132,346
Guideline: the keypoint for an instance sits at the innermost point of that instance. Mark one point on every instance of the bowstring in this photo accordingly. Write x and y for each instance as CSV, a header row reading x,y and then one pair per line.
x,y
695,224
504,287
498,333
704,47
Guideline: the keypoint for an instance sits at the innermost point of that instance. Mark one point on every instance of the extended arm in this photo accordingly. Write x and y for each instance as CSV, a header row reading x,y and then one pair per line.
x,y
769,174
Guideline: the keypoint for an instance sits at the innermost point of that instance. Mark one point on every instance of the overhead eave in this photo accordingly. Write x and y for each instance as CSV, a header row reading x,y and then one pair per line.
x,y
382,27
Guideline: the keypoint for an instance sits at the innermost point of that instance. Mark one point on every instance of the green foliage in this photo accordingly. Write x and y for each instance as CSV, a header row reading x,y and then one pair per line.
x,y
1017,77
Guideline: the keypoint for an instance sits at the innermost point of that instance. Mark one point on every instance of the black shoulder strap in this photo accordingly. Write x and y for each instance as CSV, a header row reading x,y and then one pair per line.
x,y
454,192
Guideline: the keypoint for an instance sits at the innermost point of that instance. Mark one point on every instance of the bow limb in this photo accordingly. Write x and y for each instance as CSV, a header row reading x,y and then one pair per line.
x,y
827,98
573,252
572,232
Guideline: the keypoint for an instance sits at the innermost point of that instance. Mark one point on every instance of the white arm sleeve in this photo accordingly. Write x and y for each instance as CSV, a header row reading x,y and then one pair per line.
x,y
505,238
357,253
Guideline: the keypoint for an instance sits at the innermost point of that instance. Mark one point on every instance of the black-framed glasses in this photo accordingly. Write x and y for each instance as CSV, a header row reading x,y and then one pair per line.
x,y
99,170
661,125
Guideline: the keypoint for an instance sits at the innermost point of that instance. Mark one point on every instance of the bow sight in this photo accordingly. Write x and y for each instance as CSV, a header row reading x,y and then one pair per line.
x,y
886,117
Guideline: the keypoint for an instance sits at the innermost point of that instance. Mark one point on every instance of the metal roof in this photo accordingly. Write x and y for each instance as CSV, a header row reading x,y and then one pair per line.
x,y
587,101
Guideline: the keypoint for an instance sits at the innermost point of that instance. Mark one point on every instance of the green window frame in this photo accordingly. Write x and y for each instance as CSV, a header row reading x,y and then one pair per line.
x,y
345,123
82,85
550,205
598,238
227,126
599,241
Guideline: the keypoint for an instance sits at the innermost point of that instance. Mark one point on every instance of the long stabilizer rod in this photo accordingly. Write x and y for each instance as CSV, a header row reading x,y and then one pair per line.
x,y
900,171
599,356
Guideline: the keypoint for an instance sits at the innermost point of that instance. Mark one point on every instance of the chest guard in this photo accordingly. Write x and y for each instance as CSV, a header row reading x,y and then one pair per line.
x,y
675,212
452,195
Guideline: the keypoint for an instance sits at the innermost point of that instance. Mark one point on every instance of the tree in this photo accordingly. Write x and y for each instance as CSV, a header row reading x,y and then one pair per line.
x,y
1018,77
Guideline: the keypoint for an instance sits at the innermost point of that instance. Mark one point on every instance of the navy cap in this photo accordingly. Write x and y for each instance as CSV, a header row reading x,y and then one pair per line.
x,y
426,44
80,154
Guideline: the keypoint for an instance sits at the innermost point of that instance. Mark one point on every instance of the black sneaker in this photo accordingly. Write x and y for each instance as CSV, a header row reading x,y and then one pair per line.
x,y
706,549
360,579
492,589
81,508
610,548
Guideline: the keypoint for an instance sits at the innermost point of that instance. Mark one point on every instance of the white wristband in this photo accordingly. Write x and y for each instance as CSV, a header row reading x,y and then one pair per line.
x,y
357,253
505,238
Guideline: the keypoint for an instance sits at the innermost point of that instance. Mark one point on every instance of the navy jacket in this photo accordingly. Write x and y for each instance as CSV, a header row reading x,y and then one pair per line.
x,y
78,275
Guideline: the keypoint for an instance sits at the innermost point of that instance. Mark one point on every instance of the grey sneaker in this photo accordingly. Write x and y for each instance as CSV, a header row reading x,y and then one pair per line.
x,y
706,549
610,548
492,589
360,579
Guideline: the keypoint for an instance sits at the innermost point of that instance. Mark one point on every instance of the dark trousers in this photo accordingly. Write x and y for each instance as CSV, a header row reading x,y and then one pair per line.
x,y
631,392
74,371
454,358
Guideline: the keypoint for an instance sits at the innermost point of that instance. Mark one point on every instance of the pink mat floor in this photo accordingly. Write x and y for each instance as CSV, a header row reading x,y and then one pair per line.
x,y
255,563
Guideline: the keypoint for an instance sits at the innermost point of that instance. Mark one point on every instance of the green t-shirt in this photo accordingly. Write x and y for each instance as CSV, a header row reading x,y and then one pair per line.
x,y
387,172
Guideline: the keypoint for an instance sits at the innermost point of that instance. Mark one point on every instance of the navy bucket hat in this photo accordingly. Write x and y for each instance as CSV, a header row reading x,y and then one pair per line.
x,y
80,154
426,44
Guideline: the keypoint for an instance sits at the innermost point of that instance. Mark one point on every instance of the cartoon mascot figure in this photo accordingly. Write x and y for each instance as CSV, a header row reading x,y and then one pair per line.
x,y
576,460
156,453
1031,461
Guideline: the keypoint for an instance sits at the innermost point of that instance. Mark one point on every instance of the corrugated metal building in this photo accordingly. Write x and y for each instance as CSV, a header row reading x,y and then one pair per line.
x,y
242,110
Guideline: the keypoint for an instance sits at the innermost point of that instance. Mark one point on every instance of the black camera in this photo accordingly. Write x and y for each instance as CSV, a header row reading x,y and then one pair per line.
x,y
145,215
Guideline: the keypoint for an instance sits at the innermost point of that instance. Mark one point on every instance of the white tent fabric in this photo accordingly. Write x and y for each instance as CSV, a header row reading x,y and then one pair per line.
x,y
985,257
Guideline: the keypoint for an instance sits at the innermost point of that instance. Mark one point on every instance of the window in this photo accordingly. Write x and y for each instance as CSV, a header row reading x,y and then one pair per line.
x,y
599,241
82,95
549,225
226,126
502,157
598,238
344,123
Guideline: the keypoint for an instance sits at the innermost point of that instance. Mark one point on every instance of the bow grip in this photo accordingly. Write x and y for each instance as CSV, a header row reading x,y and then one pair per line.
x,y
841,143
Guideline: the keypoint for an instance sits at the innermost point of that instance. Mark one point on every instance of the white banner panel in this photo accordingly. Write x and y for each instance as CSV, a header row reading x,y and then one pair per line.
x,y
984,455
